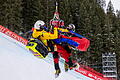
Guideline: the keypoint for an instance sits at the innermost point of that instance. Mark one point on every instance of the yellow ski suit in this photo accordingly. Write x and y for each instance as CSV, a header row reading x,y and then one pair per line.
x,y
44,35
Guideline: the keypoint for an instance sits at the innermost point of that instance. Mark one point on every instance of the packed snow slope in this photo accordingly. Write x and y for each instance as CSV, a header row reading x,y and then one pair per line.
x,y
17,63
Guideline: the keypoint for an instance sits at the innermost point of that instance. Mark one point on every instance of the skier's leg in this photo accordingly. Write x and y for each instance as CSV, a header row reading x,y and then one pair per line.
x,y
68,60
56,62
66,54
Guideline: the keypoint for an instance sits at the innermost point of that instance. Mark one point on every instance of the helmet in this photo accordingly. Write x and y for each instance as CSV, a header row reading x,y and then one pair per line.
x,y
71,27
39,24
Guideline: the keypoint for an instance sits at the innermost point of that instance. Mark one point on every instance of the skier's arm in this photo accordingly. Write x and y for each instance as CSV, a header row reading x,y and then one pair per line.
x,y
63,30
35,34
52,36
45,35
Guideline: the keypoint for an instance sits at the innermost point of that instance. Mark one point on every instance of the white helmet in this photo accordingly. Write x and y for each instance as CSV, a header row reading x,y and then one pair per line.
x,y
71,27
39,24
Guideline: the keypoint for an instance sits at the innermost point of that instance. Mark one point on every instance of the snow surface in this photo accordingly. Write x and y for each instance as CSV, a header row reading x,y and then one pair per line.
x,y
17,63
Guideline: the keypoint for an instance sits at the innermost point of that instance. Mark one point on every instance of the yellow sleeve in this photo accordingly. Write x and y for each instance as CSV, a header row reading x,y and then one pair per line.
x,y
50,35
35,34
63,30
43,35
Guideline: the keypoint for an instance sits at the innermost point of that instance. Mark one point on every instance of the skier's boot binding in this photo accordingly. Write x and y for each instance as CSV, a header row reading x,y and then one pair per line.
x,y
58,71
66,67
72,66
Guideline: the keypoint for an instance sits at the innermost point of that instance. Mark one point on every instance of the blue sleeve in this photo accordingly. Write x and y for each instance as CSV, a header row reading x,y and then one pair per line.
x,y
57,41
69,41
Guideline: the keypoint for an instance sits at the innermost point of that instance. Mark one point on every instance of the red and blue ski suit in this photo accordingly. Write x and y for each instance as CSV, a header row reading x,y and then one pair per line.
x,y
63,49
77,41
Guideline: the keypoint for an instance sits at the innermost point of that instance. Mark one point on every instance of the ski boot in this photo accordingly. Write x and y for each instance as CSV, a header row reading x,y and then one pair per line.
x,y
74,66
70,65
57,72
66,66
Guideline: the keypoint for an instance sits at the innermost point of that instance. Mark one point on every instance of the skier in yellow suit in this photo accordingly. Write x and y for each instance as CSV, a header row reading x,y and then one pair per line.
x,y
41,39
43,35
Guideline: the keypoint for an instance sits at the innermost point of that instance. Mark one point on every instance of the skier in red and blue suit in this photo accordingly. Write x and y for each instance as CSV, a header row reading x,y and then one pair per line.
x,y
63,46
73,39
